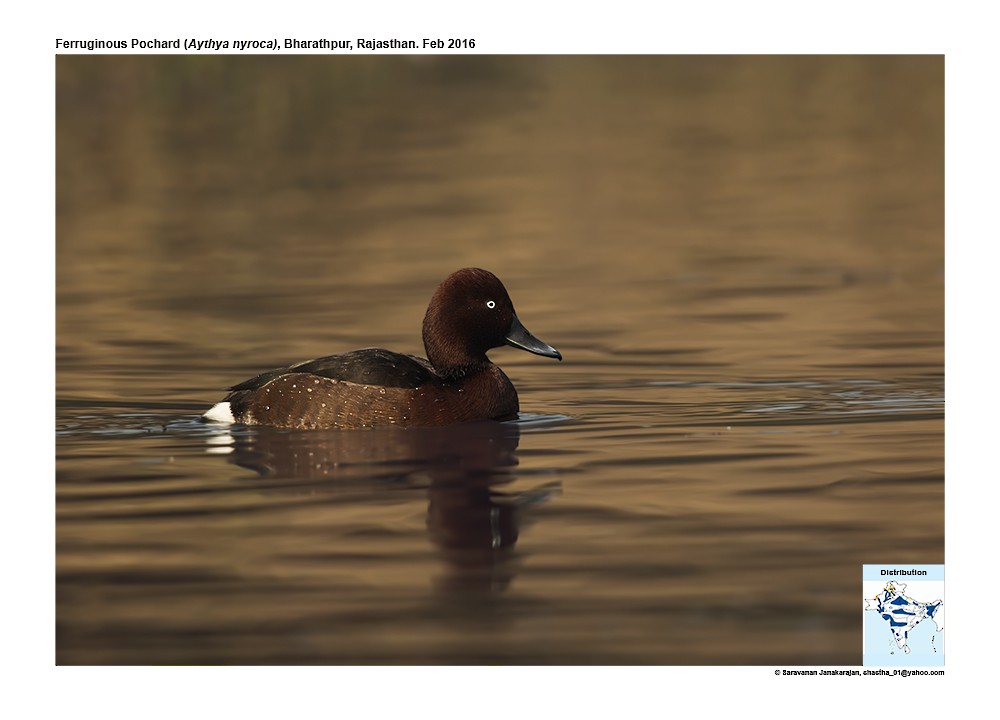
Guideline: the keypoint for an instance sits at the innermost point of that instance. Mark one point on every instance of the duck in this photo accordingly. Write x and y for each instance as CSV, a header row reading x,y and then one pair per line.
x,y
469,314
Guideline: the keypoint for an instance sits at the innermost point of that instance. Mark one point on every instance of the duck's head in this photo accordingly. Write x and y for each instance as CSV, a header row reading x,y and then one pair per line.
x,y
469,314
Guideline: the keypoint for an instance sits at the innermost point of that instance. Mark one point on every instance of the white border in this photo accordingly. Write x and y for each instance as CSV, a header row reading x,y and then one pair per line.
x,y
964,31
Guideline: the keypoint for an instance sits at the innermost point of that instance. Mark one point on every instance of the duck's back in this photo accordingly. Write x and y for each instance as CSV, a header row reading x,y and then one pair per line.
x,y
371,366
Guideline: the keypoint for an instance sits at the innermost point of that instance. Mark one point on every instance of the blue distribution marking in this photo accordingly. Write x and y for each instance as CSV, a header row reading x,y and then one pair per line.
x,y
903,614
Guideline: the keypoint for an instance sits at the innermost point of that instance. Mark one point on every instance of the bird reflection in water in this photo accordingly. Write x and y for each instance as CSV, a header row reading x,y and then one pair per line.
x,y
473,524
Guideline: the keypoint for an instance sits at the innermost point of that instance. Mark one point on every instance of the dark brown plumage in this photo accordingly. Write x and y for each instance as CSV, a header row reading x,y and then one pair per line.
x,y
469,314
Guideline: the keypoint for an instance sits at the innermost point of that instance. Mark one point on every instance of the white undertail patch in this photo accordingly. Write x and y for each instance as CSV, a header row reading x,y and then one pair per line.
x,y
221,413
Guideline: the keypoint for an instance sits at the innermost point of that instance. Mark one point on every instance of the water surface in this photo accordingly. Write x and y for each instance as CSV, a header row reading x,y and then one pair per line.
x,y
741,260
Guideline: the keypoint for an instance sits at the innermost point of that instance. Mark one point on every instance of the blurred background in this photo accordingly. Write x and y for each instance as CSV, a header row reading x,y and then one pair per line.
x,y
740,258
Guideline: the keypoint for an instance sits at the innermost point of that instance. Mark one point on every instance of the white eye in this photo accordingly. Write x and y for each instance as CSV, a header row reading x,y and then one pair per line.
x,y
490,304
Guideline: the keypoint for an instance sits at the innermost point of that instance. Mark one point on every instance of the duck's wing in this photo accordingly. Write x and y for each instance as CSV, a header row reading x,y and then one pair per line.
x,y
371,366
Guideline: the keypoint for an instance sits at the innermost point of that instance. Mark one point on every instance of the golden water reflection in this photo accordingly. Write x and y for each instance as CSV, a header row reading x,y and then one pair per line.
x,y
741,259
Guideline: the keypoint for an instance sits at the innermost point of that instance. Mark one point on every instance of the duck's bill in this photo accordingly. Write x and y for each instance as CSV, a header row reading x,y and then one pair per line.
x,y
519,337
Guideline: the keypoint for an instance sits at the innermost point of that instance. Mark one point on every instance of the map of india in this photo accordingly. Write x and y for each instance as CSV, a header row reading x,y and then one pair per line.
x,y
903,613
